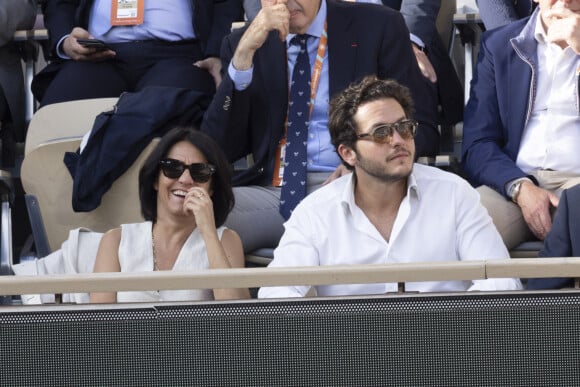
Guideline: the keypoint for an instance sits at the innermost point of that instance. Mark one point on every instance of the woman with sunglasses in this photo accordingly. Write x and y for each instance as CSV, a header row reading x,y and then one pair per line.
x,y
186,195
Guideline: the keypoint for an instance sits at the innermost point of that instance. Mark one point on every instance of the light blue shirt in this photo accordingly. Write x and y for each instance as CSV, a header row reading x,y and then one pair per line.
x,y
163,20
322,156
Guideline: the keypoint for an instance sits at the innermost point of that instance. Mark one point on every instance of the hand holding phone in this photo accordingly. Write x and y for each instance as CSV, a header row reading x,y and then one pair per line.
x,y
93,43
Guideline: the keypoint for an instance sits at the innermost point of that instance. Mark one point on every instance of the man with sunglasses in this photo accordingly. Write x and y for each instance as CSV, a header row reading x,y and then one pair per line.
x,y
389,210
249,113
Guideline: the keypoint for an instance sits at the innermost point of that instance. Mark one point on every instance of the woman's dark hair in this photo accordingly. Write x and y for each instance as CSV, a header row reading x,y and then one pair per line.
x,y
223,196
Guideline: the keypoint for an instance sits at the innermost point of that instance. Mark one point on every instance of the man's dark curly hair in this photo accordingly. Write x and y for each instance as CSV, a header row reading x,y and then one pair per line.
x,y
344,106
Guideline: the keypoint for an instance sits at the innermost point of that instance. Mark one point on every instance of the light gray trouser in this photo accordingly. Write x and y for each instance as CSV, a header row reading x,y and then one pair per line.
x,y
256,217
507,216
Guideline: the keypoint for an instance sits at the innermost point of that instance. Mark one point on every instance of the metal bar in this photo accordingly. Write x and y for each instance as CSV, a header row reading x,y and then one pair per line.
x,y
6,237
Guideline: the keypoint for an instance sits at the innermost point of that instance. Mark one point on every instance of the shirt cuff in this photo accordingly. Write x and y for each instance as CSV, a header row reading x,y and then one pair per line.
x,y
417,40
509,187
59,52
241,78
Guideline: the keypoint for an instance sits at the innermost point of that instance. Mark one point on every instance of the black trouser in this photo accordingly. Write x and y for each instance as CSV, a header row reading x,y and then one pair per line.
x,y
136,65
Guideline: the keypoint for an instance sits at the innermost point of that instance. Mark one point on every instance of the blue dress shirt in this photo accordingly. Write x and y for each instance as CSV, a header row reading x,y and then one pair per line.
x,y
322,156
163,20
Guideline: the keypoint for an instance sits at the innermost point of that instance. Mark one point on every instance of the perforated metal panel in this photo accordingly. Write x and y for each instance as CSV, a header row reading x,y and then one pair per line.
x,y
477,339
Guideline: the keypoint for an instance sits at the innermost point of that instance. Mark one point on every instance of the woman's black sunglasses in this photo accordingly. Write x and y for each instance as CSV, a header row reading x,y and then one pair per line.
x,y
199,172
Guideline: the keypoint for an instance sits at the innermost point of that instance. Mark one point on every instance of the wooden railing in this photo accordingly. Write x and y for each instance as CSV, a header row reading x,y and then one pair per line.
x,y
324,275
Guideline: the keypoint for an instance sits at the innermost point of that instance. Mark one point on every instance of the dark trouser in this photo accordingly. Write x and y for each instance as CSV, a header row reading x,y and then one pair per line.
x,y
136,65
395,4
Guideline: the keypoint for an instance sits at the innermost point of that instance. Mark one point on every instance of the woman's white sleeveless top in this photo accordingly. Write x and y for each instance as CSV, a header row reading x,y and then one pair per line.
x,y
136,255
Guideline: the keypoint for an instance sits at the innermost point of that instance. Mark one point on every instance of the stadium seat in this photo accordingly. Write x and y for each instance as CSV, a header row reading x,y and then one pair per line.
x,y
468,24
31,41
64,121
528,249
54,130
260,257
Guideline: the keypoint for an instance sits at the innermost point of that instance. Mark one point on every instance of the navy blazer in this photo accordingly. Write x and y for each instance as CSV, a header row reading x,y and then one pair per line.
x,y
563,240
496,114
252,121
500,104
111,149
212,20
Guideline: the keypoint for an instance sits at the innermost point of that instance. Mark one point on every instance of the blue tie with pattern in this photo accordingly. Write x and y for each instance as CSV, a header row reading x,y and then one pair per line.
x,y
294,179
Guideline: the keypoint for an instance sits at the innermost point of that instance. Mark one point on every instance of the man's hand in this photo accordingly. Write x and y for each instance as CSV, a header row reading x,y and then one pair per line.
x,y
564,28
424,64
213,66
535,203
341,170
274,15
75,51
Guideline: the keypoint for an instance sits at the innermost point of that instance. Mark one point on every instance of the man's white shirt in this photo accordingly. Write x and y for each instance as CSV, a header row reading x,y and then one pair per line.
x,y
552,135
440,219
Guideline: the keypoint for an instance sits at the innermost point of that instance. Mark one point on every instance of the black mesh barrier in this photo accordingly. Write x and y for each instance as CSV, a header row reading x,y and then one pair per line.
x,y
511,339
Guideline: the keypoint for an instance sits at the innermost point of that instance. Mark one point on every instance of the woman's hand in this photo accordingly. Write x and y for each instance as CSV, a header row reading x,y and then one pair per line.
x,y
225,254
198,202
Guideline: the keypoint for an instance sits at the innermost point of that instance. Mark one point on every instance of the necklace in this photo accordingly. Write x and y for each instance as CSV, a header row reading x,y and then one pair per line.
x,y
155,265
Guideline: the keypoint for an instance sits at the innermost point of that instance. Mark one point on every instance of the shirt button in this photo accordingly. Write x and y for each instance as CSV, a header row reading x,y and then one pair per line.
x,y
260,170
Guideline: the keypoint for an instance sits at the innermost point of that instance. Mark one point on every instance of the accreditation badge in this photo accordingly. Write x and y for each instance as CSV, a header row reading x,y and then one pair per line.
x,y
279,163
127,12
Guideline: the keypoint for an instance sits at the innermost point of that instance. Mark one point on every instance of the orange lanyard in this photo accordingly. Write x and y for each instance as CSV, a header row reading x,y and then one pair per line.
x,y
314,81
317,71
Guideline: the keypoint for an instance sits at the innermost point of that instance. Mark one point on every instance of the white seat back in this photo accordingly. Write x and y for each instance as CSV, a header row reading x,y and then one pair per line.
x,y
64,121
45,175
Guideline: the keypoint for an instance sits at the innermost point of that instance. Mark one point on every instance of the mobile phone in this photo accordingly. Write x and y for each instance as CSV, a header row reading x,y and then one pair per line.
x,y
94,43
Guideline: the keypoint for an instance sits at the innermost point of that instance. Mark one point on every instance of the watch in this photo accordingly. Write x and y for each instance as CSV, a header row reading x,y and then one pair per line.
x,y
514,190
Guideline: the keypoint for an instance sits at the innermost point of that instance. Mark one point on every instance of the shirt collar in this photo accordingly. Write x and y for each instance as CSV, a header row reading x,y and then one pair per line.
x,y
347,197
412,185
317,25
539,31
